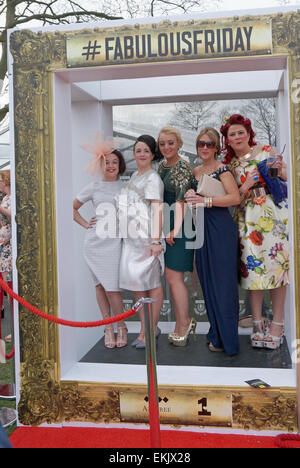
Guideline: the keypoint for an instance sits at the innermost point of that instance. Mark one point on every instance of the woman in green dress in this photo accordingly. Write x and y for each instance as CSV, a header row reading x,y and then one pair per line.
x,y
179,256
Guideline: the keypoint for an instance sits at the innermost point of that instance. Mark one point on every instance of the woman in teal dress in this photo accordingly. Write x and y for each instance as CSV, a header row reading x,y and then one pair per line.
x,y
179,256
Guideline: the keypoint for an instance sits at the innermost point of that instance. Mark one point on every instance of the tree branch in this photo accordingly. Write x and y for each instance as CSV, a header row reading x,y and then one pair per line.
x,y
62,16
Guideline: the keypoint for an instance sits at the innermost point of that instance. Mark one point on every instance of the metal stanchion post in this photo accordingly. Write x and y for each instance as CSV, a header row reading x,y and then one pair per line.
x,y
151,373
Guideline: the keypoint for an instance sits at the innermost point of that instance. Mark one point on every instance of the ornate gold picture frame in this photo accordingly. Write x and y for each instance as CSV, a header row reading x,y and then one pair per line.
x,y
44,398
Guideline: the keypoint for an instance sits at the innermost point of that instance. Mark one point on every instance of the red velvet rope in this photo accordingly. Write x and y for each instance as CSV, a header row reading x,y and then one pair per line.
x,y
66,323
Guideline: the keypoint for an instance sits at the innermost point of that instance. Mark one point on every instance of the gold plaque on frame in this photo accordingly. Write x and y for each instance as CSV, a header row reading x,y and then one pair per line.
x,y
210,408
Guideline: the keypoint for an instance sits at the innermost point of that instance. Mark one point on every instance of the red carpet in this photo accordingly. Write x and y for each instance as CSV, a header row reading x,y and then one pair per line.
x,y
68,437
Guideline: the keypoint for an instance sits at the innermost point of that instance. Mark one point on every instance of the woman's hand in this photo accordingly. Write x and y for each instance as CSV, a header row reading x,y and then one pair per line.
x,y
91,222
281,166
190,193
193,199
170,238
156,250
251,180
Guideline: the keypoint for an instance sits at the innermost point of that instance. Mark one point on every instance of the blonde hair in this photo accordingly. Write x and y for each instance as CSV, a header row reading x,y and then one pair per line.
x,y
213,135
172,131
5,177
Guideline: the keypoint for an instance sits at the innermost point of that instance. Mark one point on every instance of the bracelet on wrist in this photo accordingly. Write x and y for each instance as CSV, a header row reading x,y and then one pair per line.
x,y
208,201
155,243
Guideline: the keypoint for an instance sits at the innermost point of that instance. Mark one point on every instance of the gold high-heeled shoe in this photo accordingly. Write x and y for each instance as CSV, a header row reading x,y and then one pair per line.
x,y
171,336
182,340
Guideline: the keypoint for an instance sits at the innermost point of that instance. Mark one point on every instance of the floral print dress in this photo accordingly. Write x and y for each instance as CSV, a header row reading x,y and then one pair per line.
x,y
5,238
263,233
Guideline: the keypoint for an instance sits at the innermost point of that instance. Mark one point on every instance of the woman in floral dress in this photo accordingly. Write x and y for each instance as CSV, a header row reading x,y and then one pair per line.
x,y
263,230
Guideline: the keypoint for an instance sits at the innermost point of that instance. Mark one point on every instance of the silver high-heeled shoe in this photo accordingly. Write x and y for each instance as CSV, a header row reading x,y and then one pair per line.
x,y
271,341
258,334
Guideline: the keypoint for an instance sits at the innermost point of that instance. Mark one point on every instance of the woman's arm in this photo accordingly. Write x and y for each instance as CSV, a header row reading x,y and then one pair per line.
x,y
232,197
78,218
157,222
178,220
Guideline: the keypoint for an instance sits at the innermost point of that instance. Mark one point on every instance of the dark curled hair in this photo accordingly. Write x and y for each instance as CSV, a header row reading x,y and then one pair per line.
x,y
235,119
151,143
122,164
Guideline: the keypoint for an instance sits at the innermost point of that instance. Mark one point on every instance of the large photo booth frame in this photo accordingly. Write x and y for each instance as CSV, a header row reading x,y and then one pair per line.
x,y
44,397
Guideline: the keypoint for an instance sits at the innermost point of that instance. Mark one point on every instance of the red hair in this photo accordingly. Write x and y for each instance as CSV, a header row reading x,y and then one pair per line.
x,y
235,119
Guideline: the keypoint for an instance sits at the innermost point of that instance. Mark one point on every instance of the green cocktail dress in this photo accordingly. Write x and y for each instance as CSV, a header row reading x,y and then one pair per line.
x,y
178,179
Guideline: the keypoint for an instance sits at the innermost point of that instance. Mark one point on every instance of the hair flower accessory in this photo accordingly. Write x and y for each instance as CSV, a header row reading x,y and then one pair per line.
x,y
100,148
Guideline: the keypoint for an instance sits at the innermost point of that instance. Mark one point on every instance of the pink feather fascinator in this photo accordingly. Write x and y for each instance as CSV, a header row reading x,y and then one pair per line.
x,y
100,148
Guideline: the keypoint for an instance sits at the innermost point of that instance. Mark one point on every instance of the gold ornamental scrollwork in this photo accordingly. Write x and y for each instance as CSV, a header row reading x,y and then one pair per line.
x,y
35,191
42,49
45,400
265,411
44,397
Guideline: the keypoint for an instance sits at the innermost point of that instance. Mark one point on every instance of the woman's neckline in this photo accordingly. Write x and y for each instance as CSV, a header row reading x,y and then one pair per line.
x,y
109,181
143,173
210,173
247,156
170,167
204,173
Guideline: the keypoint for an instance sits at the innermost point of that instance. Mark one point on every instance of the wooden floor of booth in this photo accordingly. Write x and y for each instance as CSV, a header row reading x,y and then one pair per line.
x,y
194,354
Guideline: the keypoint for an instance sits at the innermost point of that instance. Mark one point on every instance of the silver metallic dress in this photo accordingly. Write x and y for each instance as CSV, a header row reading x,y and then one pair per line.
x,y
139,271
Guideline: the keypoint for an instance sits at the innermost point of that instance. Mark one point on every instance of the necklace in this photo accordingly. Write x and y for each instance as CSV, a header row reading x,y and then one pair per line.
x,y
247,156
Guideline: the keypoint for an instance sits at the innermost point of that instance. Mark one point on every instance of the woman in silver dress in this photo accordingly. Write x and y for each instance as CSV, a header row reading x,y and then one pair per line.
x,y
140,216
102,249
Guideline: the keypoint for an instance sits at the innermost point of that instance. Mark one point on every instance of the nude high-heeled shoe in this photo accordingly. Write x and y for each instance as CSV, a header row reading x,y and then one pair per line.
x,y
122,337
109,337
182,340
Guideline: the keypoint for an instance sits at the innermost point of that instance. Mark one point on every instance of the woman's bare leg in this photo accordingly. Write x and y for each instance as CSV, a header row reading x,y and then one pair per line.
x,y
181,301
